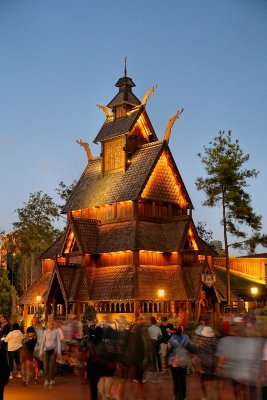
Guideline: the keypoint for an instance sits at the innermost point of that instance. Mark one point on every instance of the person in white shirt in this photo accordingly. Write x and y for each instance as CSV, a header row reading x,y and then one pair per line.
x,y
50,348
14,341
154,333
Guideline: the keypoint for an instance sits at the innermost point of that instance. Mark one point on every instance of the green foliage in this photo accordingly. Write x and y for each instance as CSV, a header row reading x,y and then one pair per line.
x,y
7,295
225,186
65,191
203,232
88,319
34,228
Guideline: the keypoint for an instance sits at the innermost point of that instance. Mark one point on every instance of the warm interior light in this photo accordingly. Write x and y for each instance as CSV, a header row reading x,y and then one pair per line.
x,y
69,242
164,182
254,290
192,238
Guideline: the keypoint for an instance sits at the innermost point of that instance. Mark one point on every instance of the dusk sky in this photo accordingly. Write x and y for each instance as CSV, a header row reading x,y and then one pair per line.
x,y
59,58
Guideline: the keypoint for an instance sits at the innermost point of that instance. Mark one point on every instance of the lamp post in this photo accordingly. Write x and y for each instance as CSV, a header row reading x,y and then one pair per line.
x,y
38,298
254,292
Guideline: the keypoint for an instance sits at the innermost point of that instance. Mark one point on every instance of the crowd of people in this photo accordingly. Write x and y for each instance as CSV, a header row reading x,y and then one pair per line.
x,y
234,352
39,351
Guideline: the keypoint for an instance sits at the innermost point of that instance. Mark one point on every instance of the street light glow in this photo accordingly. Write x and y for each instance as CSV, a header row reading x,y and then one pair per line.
x,y
254,290
161,292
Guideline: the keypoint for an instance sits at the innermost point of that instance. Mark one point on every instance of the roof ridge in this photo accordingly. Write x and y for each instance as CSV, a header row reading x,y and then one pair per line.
x,y
86,220
151,144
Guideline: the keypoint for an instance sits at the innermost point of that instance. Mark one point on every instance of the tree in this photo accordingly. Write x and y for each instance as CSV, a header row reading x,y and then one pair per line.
x,y
8,296
88,319
65,191
224,186
34,232
203,232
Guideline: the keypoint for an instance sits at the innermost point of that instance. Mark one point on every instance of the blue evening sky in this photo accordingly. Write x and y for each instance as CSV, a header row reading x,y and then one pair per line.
x,y
59,58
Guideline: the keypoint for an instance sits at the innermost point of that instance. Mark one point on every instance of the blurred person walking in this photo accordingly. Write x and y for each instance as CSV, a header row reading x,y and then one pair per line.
x,y
206,344
179,347
38,365
240,360
167,330
50,348
27,355
14,340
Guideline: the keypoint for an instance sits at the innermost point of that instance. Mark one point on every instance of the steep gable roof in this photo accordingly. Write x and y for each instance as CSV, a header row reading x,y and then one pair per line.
x,y
86,233
54,249
38,288
93,189
117,127
130,235
68,277
165,183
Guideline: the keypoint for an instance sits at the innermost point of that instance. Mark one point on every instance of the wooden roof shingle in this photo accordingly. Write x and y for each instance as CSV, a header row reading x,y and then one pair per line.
x,y
151,278
117,127
93,189
113,283
38,288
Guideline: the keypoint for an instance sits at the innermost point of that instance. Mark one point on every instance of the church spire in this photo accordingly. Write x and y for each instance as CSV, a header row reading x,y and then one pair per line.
x,y
125,99
125,67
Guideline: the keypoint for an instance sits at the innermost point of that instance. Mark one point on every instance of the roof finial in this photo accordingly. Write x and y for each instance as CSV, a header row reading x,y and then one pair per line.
x,y
125,66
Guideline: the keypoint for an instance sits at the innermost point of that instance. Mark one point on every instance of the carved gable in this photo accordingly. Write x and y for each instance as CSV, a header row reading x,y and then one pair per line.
x,y
163,184
191,241
70,244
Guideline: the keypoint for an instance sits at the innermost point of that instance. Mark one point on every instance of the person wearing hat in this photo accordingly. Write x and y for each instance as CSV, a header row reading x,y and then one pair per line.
x,y
167,330
206,344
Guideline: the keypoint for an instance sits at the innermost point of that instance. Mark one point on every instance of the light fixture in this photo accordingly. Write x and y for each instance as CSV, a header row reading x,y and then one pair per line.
x,y
254,291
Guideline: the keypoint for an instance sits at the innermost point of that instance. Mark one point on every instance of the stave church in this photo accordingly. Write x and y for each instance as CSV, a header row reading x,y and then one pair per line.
x,y
130,246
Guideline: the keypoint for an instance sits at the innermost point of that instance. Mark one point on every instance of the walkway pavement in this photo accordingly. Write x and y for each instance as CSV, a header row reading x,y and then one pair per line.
x,y
72,387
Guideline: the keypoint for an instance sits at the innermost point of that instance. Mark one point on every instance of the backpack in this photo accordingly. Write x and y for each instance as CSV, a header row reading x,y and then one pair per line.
x,y
178,355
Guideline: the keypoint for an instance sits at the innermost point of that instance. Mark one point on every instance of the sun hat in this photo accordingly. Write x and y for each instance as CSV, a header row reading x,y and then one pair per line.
x,y
199,329
207,331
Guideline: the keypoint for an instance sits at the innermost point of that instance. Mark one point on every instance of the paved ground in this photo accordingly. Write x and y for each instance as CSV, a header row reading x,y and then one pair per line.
x,y
71,387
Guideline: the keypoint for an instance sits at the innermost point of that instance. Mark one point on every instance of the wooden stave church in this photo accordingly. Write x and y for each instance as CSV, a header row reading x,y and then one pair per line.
x,y
130,246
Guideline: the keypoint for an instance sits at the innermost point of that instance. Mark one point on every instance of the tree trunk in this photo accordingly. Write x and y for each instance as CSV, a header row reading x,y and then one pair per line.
x,y
227,267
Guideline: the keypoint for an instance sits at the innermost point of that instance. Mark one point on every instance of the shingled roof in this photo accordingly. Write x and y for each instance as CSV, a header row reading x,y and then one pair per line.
x,y
95,238
54,249
169,278
117,127
125,94
69,277
113,283
194,284
93,189
38,288
86,233
165,237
